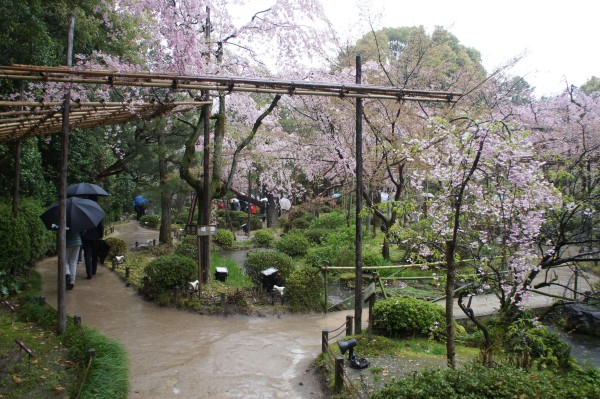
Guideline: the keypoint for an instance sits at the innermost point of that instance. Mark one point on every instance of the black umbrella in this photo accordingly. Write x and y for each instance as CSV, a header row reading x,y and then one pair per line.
x,y
82,214
86,189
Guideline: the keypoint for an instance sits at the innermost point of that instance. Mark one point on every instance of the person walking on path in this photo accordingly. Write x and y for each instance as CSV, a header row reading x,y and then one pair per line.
x,y
90,240
73,244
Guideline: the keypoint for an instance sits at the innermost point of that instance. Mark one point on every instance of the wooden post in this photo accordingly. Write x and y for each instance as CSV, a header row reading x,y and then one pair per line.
x,y
339,373
359,193
62,228
222,299
324,341
325,278
349,320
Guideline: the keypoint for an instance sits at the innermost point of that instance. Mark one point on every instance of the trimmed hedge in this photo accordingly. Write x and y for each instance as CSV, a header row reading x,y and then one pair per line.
x,y
163,274
263,238
293,244
117,246
224,238
407,316
304,289
150,221
258,261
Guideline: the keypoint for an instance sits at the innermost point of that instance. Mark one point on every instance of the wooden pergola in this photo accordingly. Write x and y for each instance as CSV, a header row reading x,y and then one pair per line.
x,y
22,120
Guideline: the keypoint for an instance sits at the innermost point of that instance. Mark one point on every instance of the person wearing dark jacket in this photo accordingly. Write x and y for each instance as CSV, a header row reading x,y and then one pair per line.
x,y
90,240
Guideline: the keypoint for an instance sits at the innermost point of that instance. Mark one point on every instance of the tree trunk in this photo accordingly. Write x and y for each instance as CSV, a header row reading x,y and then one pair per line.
x,y
450,277
164,236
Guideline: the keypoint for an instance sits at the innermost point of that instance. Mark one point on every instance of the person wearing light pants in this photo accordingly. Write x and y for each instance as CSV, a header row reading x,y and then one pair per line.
x,y
72,256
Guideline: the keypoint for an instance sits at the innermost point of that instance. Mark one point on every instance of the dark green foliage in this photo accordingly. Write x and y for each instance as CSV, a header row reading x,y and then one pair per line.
x,y
372,259
304,289
117,247
24,240
187,246
304,221
150,221
331,221
263,238
316,235
293,244
505,382
258,261
408,317
165,273
224,238
255,223
542,345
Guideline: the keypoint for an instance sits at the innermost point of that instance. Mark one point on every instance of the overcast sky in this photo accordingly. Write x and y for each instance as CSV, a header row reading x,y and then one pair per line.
x,y
558,38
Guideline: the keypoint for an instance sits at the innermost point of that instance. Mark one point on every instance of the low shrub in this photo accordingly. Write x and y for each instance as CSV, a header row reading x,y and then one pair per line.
x,y
405,316
331,221
224,238
255,223
163,274
293,244
304,289
117,247
150,221
263,238
261,260
316,235
504,382
187,246
372,259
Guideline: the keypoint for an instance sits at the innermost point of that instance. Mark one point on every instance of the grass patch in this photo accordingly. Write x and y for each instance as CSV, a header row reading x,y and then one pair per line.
x,y
59,368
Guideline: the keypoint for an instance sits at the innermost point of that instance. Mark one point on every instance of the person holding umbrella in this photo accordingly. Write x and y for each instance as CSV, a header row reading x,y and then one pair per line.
x,y
91,244
82,214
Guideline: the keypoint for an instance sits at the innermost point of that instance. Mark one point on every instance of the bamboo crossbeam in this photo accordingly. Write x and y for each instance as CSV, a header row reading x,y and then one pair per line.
x,y
220,83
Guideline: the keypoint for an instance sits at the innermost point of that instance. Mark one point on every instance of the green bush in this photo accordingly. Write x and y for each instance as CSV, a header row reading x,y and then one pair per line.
x,y
316,235
238,218
263,238
293,244
117,247
261,260
224,238
408,317
187,246
163,274
304,221
24,241
504,382
255,223
372,259
331,221
543,346
150,221
304,289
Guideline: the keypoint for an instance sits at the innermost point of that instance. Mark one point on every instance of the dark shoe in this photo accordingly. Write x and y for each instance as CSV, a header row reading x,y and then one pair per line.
x,y
70,286
89,277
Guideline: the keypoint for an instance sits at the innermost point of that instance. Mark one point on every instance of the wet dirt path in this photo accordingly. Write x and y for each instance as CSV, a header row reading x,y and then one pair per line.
x,y
176,354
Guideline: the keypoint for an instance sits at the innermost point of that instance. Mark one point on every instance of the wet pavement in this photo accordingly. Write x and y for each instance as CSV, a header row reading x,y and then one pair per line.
x,y
177,354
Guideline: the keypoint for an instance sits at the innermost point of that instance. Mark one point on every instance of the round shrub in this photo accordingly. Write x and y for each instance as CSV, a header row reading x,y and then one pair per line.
x,y
316,235
293,245
304,289
150,221
408,317
187,246
117,247
255,223
258,261
330,221
263,238
163,274
224,238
